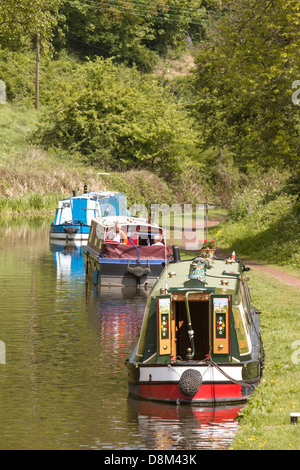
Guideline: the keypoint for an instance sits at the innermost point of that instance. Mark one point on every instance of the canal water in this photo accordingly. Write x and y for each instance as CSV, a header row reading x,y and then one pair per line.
x,y
63,382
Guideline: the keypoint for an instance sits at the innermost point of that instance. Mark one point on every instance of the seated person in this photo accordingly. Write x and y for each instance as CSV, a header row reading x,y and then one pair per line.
x,y
157,240
117,235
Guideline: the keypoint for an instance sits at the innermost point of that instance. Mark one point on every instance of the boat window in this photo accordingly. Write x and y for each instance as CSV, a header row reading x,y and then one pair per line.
x,y
248,296
100,231
245,302
242,332
91,234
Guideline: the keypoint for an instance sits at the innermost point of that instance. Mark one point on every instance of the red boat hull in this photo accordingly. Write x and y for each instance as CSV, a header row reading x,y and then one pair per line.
x,y
207,394
204,384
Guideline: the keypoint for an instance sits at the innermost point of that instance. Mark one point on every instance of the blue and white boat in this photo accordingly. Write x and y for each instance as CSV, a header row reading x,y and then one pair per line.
x,y
74,215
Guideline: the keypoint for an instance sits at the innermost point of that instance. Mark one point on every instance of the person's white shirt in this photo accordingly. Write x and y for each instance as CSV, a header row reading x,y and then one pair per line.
x,y
117,237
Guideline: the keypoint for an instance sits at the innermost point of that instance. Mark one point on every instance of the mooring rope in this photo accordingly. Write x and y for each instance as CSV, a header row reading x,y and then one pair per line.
x,y
238,382
212,363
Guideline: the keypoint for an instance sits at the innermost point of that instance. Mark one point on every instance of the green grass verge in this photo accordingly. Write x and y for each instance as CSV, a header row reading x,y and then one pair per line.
x,y
270,234
265,420
15,125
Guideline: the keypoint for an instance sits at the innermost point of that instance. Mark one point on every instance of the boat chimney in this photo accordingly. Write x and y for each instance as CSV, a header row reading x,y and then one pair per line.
x,y
176,254
74,193
85,189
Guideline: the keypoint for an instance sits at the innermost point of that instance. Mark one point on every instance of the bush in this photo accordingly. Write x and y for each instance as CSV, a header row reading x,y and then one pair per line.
x,y
140,187
245,203
17,70
115,116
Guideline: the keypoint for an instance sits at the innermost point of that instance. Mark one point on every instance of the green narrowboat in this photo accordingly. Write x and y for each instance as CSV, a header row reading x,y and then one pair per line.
x,y
200,339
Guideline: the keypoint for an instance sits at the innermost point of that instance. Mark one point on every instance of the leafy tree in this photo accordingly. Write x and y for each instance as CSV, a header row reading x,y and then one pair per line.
x,y
17,71
134,30
20,22
243,83
115,117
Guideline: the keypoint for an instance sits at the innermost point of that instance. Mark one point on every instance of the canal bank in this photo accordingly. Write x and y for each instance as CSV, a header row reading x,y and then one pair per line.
x,y
265,423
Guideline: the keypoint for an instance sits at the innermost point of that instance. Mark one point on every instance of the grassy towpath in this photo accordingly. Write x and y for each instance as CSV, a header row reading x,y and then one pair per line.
x,y
277,273
264,423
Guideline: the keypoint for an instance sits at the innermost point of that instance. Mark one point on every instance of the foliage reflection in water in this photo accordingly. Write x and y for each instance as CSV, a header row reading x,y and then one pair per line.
x,y
64,384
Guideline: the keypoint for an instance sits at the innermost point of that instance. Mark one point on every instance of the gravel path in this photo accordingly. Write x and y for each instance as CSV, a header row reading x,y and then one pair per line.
x,y
277,273
280,275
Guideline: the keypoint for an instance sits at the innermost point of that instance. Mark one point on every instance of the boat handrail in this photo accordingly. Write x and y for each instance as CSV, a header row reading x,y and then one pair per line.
x,y
130,233
139,254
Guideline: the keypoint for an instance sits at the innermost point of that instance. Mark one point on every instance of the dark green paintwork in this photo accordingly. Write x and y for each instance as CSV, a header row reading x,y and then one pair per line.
x,y
236,290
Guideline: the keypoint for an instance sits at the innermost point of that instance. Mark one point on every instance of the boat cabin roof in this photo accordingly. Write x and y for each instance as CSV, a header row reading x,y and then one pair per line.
x,y
220,278
110,221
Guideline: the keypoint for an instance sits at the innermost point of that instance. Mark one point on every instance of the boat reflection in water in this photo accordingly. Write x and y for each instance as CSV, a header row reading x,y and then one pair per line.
x,y
68,259
169,427
116,313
